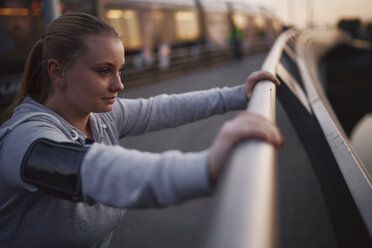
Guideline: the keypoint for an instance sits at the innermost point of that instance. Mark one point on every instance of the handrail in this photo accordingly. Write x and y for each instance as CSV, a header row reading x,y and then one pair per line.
x,y
244,211
312,46
244,208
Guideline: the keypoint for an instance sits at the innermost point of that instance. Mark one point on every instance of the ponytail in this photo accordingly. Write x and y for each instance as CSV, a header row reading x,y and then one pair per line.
x,y
34,84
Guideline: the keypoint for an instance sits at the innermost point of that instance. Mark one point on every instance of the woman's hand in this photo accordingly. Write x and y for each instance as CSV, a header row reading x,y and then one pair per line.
x,y
245,126
255,77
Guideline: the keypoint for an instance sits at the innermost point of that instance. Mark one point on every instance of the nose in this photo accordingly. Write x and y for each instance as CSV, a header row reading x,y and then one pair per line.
x,y
116,84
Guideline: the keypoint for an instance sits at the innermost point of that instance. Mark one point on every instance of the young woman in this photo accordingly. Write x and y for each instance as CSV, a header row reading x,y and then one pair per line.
x,y
64,180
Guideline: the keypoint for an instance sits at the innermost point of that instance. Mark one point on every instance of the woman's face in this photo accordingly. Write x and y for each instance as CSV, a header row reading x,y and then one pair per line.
x,y
93,80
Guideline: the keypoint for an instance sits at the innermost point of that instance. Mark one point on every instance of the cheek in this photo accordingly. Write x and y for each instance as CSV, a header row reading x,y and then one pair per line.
x,y
86,84
90,89
80,82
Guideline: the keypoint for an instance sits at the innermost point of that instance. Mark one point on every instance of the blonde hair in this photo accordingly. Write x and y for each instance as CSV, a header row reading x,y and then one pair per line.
x,y
62,41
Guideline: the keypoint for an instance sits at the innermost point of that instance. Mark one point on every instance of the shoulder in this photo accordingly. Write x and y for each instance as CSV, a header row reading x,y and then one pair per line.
x,y
35,129
15,144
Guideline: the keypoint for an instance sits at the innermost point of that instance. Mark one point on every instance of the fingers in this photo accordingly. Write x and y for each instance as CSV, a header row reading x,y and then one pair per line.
x,y
245,126
263,75
250,125
269,130
257,76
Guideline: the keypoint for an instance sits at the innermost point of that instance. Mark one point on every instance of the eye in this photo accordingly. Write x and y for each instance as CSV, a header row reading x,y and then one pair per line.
x,y
103,71
121,72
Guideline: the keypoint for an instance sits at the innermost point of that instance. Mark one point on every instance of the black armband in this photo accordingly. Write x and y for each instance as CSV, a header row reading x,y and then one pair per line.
x,y
54,168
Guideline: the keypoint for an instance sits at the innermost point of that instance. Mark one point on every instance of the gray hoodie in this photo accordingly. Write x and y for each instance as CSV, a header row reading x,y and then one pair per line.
x,y
113,178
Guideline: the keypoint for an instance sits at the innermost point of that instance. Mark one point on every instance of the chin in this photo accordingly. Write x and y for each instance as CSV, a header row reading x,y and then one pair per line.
x,y
103,109
107,109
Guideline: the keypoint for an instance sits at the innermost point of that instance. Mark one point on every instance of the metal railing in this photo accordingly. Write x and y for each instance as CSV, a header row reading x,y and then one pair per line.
x,y
244,213
312,47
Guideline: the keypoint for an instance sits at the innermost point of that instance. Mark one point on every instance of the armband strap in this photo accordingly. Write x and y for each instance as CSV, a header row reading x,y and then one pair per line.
x,y
54,167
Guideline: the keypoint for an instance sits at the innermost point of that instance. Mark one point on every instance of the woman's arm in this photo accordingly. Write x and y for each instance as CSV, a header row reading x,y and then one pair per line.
x,y
44,159
142,115
138,116
128,178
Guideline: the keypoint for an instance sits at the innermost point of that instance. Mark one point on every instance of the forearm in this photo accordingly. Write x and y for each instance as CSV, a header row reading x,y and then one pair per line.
x,y
128,178
166,111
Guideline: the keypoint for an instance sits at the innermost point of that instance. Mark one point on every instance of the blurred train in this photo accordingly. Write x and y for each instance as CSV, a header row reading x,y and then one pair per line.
x,y
149,26
152,30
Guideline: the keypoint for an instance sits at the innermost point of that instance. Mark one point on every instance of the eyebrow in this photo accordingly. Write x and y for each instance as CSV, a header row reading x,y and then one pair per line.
x,y
109,64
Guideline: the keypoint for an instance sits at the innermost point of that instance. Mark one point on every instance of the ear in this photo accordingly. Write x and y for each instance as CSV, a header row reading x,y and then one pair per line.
x,y
55,71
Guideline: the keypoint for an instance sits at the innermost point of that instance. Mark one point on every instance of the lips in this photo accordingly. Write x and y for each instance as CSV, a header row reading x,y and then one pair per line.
x,y
109,100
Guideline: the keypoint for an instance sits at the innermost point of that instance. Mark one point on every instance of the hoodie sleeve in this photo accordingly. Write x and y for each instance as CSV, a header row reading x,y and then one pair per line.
x,y
16,144
113,175
128,178
137,116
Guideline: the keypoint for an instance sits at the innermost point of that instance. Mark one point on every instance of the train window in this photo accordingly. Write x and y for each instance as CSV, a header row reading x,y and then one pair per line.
x,y
157,31
155,15
20,28
187,28
260,23
217,27
159,27
240,21
87,6
126,24
277,26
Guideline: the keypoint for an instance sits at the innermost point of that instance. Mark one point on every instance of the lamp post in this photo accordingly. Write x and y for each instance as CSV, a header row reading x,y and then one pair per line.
x,y
290,12
200,12
51,10
310,12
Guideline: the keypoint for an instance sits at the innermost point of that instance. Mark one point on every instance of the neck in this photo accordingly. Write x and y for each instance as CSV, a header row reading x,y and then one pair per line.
x,y
79,120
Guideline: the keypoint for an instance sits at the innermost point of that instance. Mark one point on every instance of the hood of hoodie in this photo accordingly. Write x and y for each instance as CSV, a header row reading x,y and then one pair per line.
x,y
31,110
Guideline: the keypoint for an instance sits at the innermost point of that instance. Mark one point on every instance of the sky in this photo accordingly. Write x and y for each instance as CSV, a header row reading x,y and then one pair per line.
x,y
325,12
